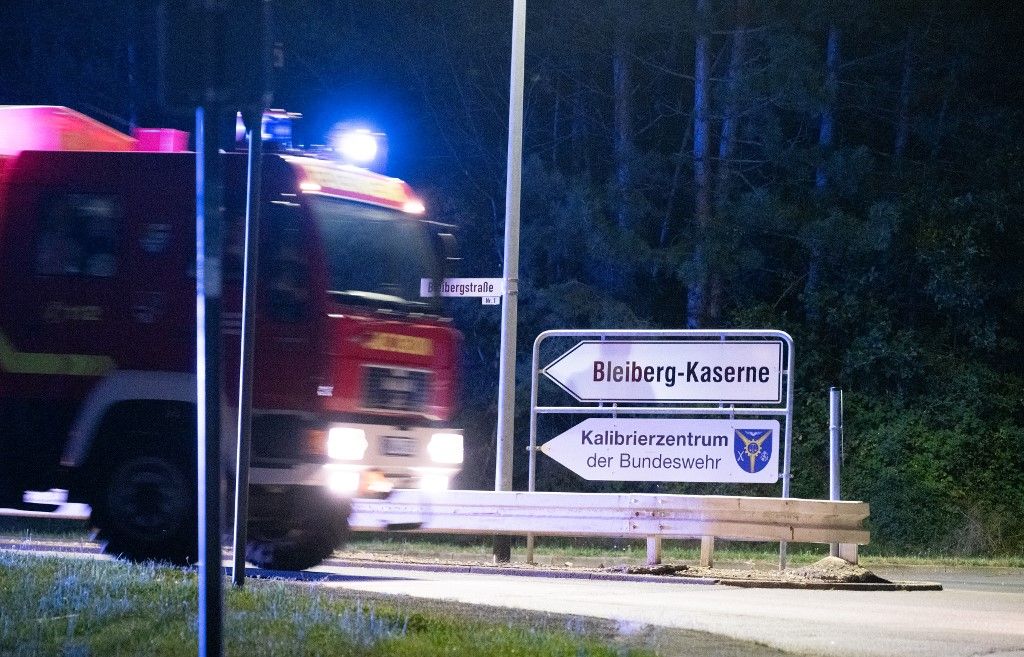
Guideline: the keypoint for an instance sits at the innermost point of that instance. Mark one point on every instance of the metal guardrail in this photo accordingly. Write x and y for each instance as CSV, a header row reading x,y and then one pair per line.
x,y
611,515
621,515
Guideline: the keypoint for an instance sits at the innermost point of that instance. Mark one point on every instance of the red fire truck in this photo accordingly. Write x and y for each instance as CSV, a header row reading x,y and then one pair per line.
x,y
356,374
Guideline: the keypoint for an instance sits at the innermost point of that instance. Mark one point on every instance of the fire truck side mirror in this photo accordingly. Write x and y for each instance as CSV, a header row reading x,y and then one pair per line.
x,y
450,251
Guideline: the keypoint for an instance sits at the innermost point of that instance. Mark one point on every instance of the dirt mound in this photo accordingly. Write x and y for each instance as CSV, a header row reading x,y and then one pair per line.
x,y
834,569
830,570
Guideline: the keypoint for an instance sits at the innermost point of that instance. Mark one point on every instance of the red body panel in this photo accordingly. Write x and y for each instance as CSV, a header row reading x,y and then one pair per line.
x,y
359,341
141,316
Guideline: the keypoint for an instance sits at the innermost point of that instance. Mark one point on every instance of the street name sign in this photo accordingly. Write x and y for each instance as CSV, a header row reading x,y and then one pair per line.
x,y
488,290
681,371
662,449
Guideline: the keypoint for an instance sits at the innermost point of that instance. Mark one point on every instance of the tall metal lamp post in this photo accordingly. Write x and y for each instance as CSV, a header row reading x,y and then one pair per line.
x,y
509,309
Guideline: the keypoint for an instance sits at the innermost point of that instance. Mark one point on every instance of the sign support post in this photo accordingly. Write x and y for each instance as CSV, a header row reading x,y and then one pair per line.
x,y
243,447
835,438
253,118
505,437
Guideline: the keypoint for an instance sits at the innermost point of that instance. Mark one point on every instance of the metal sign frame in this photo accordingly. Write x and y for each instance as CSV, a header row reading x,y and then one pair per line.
x,y
783,409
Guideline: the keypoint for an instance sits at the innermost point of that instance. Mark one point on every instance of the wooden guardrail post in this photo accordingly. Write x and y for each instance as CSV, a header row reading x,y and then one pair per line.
x,y
848,552
653,550
707,551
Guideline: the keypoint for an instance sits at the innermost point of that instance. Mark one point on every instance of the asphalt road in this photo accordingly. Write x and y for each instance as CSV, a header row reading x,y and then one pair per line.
x,y
979,613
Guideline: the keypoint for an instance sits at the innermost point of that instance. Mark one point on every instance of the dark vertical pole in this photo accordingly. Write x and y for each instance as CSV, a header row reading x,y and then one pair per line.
x,y
509,308
208,377
244,450
835,438
208,297
253,122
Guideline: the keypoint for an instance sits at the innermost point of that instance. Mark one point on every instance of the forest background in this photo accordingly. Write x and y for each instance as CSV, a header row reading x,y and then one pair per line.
x,y
846,171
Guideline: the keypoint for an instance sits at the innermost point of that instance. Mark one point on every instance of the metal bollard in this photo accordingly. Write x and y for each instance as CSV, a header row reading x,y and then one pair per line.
x,y
835,438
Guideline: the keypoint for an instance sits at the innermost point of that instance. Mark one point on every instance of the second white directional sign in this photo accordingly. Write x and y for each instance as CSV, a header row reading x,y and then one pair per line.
x,y
671,371
632,449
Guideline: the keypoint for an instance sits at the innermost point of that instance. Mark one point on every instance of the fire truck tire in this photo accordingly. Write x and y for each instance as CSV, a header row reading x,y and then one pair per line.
x,y
317,526
146,509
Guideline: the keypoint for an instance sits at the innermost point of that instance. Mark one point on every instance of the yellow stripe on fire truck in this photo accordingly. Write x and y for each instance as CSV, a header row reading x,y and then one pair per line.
x,y
17,362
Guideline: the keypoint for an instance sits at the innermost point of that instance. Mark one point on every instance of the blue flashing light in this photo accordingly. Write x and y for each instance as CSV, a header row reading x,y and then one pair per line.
x,y
354,143
357,146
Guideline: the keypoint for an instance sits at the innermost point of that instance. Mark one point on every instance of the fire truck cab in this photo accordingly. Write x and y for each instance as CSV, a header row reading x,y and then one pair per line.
x,y
356,374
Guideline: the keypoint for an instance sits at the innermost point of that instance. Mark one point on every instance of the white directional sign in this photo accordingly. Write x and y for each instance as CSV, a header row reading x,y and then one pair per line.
x,y
606,449
671,371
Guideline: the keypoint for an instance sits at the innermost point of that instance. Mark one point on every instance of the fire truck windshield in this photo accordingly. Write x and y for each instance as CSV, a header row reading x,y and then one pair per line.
x,y
376,256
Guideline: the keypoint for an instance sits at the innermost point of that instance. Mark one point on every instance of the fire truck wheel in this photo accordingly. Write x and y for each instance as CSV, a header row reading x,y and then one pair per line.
x,y
314,528
147,510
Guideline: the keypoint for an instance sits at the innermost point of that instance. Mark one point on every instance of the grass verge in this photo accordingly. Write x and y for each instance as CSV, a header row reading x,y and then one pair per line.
x,y
15,528
616,552
56,606
75,607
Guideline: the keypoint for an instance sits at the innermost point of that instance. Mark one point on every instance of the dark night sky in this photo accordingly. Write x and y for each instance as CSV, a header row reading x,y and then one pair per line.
x,y
347,60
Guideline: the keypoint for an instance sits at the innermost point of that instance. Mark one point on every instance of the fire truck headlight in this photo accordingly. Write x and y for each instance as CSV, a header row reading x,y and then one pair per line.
x,y
414,206
357,146
434,482
445,448
346,443
344,482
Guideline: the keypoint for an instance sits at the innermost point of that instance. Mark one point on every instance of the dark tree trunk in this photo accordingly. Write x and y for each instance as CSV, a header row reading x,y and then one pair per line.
x,y
624,121
940,120
827,121
812,285
680,157
696,303
578,120
677,177
555,117
133,86
730,118
899,148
